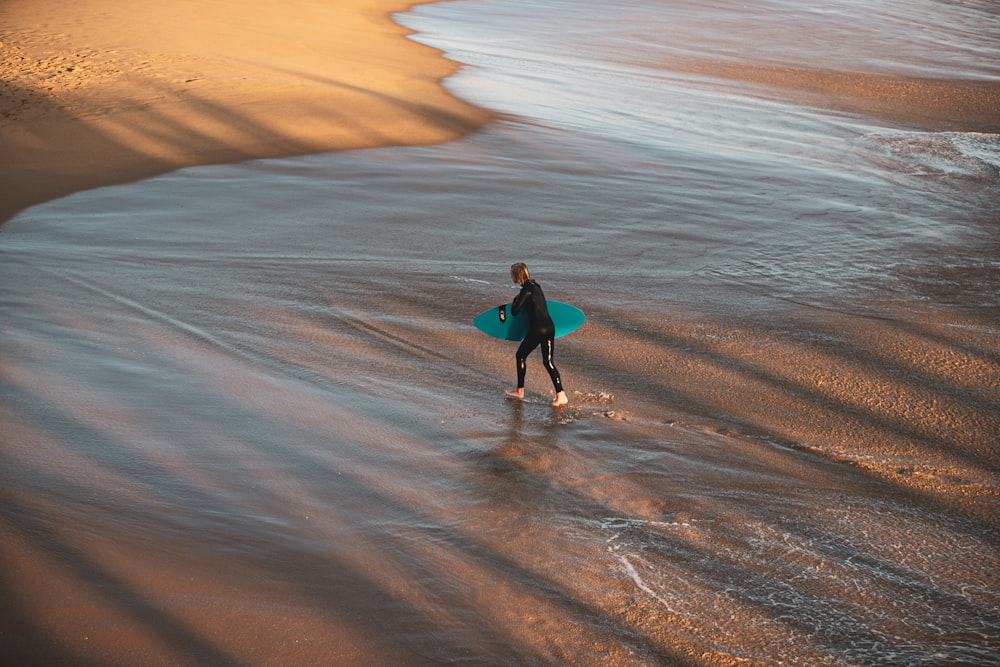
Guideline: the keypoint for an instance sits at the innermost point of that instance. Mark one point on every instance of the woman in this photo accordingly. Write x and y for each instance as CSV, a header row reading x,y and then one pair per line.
x,y
541,331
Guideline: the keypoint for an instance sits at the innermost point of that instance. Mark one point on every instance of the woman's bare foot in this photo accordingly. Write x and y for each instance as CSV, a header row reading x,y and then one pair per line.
x,y
517,393
560,400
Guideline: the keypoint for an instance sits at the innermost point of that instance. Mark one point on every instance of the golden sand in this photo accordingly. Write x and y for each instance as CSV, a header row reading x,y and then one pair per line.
x,y
96,92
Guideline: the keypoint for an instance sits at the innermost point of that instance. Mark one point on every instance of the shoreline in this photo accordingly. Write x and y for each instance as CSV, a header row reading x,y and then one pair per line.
x,y
926,103
90,98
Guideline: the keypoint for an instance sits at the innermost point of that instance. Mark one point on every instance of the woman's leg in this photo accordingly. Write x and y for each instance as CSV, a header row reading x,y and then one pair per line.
x,y
548,360
529,343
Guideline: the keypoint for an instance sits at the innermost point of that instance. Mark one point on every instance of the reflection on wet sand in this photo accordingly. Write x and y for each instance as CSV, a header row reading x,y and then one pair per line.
x,y
246,419
306,481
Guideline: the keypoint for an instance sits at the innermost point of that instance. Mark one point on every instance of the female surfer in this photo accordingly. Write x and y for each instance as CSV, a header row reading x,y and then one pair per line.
x,y
541,331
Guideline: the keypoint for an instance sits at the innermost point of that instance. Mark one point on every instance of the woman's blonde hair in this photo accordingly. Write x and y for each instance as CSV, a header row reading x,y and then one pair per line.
x,y
519,273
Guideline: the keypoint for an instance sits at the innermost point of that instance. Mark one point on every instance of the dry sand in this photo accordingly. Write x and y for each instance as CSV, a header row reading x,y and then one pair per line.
x,y
97,92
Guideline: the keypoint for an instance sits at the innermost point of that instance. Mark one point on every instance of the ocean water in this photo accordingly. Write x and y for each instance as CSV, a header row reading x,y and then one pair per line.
x,y
246,420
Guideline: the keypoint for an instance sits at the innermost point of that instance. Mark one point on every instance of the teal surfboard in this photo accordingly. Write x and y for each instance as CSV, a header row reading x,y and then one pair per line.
x,y
499,323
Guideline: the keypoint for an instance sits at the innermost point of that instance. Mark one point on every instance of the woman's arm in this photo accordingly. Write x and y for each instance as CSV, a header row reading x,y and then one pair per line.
x,y
521,299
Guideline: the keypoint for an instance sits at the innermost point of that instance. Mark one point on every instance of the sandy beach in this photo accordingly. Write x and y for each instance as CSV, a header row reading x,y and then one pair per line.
x,y
100,92
245,419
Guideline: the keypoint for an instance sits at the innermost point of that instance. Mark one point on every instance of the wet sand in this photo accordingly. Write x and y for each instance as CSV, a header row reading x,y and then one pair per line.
x,y
102,91
945,105
248,447
271,440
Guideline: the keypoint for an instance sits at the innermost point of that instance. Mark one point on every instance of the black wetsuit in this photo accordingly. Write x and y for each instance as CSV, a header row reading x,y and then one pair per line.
x,y
541,331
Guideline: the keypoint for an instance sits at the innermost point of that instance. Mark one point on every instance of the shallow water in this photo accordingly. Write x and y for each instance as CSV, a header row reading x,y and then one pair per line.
x,y
246,420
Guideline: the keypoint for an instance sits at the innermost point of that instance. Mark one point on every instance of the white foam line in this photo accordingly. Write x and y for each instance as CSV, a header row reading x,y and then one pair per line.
x,y
634,574
627,564
472,280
